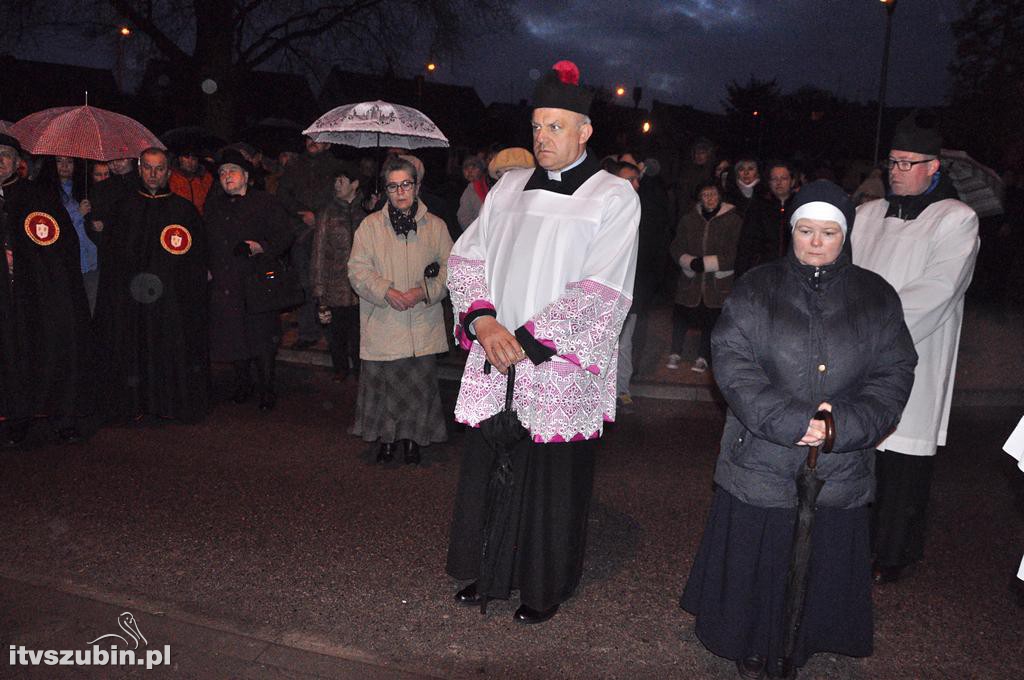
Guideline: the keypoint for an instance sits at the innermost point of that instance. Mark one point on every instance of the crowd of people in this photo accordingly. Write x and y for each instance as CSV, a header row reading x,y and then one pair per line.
x,y
123,281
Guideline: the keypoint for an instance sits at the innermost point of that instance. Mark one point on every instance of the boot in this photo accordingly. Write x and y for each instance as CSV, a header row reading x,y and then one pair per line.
x,y
412,452
243,382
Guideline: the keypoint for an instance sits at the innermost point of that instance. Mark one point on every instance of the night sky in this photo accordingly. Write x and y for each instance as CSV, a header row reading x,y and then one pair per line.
x,y
685,52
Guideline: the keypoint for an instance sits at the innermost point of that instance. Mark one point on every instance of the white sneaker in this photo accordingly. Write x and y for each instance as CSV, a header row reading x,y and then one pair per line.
x,y
673,361
700,365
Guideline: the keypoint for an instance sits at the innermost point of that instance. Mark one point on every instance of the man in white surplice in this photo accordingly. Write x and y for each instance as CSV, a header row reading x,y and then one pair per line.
x,y
542,279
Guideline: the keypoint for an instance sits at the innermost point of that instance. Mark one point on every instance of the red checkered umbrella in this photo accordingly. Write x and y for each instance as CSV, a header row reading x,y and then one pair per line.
x,y
83,132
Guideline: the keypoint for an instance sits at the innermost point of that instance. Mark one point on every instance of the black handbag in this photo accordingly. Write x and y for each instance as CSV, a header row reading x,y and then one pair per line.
x,y
273,287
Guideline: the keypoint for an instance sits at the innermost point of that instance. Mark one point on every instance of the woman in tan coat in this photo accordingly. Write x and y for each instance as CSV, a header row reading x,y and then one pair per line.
x,y
398,268
705,248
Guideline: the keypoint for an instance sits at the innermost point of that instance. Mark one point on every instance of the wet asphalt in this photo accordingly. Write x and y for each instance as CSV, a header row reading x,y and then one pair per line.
x,y
282,527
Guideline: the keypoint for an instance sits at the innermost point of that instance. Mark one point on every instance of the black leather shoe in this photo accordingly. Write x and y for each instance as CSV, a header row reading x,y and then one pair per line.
x,y
751,667
69,435
882,575
468,596
528,616
268,400
386,452
412,452
242,393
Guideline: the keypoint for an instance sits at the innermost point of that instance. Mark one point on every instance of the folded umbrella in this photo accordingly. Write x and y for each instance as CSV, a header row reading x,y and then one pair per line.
x,y
501,432
808,486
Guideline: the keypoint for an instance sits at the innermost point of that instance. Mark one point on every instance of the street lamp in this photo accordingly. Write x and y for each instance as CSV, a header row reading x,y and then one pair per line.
x,y
890,8
620,91
646,127
431,67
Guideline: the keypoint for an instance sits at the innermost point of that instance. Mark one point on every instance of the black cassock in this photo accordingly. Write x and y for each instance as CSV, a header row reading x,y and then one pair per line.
x,y
7,349
152,318
50,310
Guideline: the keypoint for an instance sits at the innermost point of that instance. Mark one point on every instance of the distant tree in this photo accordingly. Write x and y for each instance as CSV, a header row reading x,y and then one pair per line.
x,y
987,98
224,40
751,111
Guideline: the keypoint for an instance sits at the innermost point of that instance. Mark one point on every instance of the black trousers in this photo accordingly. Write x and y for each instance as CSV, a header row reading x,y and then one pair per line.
x,y
549,509
701,317
343,338
900,512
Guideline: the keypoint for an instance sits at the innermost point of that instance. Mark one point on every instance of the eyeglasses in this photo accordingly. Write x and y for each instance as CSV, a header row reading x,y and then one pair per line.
x,y
392,187
904,165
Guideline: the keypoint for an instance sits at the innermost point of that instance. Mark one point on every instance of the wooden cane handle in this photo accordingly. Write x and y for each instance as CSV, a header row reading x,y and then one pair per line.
x,y
830,429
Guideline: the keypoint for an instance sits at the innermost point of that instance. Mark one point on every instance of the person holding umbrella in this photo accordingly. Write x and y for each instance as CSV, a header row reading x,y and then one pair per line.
x,y
805,333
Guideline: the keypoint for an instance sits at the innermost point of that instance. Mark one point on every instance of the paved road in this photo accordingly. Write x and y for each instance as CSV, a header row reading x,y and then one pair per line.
x,y
273,547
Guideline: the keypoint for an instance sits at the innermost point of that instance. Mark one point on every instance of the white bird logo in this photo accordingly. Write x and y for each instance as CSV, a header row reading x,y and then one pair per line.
x,y
127,623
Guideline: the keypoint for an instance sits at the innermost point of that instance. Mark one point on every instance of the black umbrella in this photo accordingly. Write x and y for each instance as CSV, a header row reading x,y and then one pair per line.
x,y
501,432
808,485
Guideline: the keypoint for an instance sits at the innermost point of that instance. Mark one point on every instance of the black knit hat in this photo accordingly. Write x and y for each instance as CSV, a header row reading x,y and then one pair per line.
x,y
7,140
560,88
823,200
918,133
234,157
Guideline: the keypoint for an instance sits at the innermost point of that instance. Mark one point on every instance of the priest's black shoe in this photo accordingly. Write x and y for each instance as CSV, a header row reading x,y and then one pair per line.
x,y
751,667
242,393
412,452
69,435
268,400
530,616
386,452
882,575
468,595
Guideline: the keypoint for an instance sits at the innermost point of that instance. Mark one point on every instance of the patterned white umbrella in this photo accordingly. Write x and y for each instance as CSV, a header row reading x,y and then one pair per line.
x,y
376,124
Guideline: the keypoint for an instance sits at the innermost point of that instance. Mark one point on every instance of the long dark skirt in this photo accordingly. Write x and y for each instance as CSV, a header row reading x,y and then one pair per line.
x,y
550,504
900,513
737,585
400,399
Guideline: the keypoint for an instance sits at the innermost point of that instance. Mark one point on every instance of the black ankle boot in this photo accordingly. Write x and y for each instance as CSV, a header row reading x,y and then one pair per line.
x,y
386,452
412,452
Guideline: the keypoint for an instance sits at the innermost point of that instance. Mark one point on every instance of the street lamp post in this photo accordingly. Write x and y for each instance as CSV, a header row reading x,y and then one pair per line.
x,y
890,8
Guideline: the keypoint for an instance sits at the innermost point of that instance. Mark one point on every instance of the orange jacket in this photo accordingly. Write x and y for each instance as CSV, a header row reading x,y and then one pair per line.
x,y
192,188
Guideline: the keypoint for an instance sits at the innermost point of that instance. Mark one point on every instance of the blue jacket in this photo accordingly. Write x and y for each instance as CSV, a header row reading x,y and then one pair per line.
x,y
790,337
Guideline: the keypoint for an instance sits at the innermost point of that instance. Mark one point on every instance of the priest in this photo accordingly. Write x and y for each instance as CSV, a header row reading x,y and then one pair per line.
x,y
542,279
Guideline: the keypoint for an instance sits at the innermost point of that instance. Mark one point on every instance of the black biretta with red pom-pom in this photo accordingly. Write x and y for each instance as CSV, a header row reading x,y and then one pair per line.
x,y
560,88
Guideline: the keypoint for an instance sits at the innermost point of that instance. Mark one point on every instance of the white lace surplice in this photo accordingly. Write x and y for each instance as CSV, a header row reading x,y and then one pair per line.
x,y
563,268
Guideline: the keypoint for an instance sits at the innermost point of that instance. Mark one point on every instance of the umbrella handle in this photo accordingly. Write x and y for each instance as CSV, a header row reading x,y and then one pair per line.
x,y
510,387
828,442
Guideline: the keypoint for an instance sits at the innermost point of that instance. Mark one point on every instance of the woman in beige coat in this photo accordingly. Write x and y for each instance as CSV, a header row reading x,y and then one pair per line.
x,y
398,268
705,248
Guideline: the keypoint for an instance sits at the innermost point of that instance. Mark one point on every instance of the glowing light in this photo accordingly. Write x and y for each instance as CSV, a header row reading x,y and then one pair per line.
x,y
620,91
125,31
431,67
756,114
646,127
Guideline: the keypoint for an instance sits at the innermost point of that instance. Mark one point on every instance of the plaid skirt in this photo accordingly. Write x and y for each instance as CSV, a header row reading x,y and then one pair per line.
x,y
400,399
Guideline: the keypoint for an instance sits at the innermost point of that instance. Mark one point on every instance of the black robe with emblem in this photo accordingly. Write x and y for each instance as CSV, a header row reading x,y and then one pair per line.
x,y
7,349
50,309
152,320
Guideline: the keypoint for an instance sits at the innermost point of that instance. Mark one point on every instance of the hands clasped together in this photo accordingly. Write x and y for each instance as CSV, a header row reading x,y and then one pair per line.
x,y
815,435
400,301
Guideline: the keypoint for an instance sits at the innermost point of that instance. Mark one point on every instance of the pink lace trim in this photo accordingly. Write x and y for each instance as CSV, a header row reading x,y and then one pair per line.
x,y
555,401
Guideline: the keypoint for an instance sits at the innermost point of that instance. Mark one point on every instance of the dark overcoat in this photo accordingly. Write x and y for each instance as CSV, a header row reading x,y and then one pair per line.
x,y
236,334
790,337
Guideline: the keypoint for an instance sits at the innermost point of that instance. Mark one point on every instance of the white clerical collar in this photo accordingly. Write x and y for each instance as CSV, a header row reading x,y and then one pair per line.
x,y
557,174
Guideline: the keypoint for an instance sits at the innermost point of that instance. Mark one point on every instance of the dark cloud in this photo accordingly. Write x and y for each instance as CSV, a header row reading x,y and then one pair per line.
x,y
688,50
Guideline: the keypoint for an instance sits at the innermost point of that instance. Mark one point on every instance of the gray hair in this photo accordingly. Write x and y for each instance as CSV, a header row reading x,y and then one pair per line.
x,y
396,163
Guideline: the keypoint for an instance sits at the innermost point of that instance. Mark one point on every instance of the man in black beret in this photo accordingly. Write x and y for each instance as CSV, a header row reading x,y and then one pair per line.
x,y
543,280
924,242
